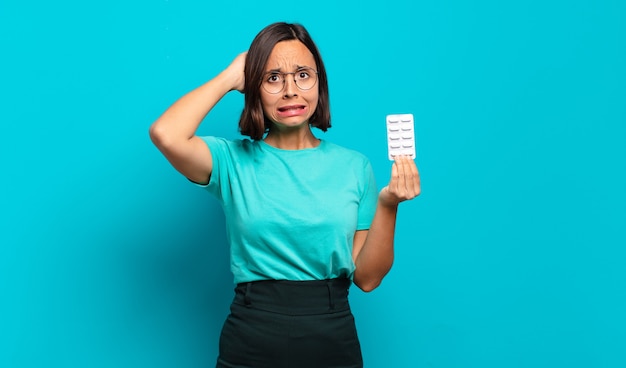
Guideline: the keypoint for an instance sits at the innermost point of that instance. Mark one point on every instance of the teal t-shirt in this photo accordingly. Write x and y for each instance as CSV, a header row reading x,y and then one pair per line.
x,y
291,214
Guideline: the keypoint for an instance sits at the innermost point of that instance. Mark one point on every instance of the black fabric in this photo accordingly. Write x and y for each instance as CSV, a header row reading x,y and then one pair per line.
x,y
290,324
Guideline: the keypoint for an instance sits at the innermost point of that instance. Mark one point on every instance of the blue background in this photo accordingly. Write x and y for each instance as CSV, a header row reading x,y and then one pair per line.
x,y
513,256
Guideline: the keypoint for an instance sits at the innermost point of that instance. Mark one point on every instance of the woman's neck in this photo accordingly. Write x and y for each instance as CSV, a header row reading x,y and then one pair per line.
x,y
292,139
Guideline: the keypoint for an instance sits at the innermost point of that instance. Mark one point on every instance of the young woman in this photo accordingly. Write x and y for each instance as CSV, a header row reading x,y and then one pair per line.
x,y
304,218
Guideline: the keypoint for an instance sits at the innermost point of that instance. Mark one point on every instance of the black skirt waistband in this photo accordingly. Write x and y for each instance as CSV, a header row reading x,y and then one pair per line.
x,y
295,297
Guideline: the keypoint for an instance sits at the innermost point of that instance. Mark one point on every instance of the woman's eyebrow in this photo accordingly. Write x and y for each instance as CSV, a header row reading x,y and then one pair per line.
x,y
279,70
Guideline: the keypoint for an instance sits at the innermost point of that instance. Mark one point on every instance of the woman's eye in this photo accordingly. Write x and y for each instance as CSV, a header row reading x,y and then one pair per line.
x,y
303,74
273,78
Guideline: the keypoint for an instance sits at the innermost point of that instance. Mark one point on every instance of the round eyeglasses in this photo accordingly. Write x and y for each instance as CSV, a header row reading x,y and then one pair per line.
x,y
274,82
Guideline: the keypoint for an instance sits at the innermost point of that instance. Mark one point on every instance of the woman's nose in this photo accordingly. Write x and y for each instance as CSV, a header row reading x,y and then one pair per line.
x,y
291,88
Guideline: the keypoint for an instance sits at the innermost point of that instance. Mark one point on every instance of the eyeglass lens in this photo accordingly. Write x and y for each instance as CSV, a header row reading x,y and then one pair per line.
x,y
305,79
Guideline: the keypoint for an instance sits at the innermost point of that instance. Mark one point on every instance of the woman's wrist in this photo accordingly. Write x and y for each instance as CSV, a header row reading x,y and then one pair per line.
x,y
232,79
386,200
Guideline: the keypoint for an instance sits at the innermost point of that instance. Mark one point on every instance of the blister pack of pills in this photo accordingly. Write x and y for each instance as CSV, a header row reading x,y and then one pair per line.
x,y
400,135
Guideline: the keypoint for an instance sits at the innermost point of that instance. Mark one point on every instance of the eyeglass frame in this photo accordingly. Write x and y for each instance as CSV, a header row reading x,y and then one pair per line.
x,y
283,75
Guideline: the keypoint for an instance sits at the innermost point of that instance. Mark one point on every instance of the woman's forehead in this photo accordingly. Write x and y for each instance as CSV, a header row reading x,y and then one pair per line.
x,y
290,55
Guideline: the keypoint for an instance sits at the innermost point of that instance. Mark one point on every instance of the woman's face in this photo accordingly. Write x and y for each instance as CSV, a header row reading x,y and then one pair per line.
x,y
292,106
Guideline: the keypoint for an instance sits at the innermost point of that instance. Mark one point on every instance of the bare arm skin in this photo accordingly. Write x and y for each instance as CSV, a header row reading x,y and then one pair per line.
x,y
373,249
174,132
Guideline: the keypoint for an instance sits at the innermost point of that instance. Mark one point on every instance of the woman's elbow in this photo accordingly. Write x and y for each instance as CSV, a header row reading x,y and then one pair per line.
x,y
367,285
157,135
162,138
369,278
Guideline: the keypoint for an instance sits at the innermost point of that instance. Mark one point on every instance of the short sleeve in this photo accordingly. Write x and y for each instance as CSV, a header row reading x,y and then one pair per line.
x,y
220,154
369,198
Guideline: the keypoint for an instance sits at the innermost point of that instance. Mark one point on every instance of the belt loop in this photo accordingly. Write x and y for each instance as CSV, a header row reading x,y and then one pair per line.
x,y
331,301
246,296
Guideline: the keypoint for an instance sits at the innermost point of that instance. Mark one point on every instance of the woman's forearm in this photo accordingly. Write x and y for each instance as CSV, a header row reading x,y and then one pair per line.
x,y
181,120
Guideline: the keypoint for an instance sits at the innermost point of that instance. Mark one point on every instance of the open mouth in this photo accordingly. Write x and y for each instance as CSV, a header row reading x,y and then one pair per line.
x,y
291,108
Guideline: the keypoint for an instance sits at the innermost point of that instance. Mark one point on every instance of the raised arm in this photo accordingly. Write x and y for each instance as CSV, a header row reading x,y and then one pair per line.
x,y
174,132
373,248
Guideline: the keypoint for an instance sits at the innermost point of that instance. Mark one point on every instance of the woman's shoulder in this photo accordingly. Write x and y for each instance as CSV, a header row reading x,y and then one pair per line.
x,y
229,142
344,152
231,148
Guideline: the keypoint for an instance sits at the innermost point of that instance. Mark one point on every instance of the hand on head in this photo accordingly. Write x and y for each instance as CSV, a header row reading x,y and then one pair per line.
x,y
236,70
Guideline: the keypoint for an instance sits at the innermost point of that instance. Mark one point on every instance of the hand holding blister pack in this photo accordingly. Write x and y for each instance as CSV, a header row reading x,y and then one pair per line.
x,y
400,135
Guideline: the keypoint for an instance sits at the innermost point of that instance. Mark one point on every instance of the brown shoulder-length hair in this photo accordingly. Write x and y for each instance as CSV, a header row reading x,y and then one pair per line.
x,y
253,121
